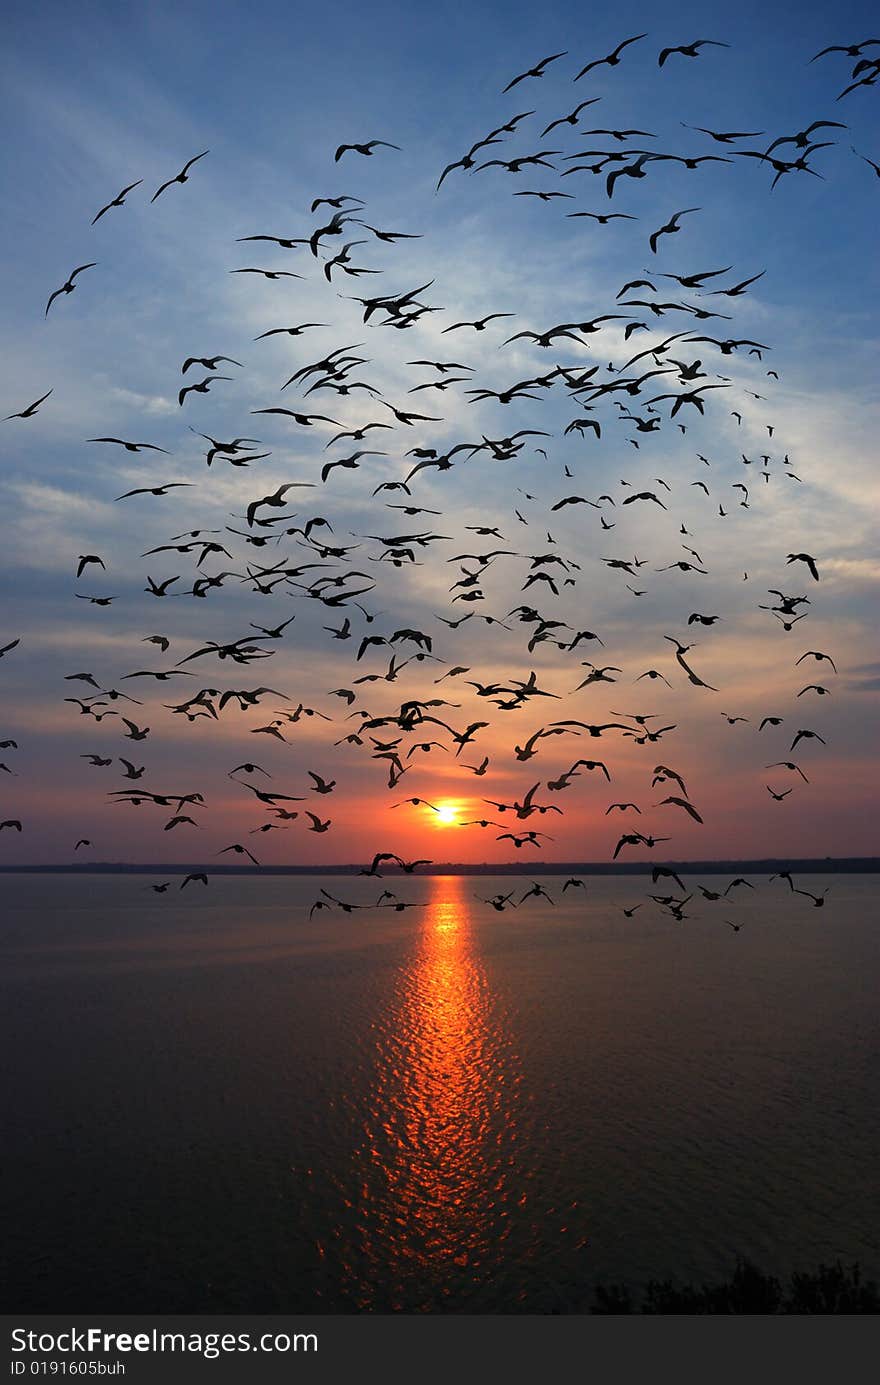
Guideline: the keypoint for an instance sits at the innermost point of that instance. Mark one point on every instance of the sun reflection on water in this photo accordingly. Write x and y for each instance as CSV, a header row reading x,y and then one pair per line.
x,y
441,1140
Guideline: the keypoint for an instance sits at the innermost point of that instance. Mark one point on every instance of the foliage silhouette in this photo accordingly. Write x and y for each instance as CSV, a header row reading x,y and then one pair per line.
x,y
828,1289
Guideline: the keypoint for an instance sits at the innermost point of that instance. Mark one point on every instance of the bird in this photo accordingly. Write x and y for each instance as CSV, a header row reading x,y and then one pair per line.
x,y
867,81
209,362
788,764
365,149
636,839
240,851
131,446
633,170
536,71
480,324
201,387
67,287
289,331
537,892
803,735
85,559
782,875
155,490
135,732
545,196
613,58
818,656
118,200
31,408
160,588
689,50
603,218
802,138
738,881
499,901
852,50
869,162
724,137
467,161
805,558
267,273
182,176
682,803
572,117
740,288
818,899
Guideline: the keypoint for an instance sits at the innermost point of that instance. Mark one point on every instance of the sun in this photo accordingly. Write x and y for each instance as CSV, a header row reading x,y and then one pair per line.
x,y
447,814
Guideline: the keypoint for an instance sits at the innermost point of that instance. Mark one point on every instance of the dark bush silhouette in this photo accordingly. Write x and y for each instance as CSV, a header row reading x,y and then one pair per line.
x,y
828,1289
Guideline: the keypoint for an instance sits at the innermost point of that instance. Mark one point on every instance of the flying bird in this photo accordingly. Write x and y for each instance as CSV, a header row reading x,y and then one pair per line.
x,y
613,57
365,149
805,558
68,286
689,50
209,362
118,200
31,408
201,388
536,71
131,446
182,176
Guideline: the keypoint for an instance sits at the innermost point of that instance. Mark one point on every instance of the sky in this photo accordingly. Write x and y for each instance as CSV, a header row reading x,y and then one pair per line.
x,y
96,96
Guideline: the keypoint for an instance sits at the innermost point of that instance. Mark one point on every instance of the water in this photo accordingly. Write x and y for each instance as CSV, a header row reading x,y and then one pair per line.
x,y
218,1105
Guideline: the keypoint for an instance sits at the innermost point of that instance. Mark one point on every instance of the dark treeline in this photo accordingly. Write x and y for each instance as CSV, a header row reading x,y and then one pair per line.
x,y
848,865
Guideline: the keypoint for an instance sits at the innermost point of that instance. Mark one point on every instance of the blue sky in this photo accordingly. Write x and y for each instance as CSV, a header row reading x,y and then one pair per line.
x,y
96,96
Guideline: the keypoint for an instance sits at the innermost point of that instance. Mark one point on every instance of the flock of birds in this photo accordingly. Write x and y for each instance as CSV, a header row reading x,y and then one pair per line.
x,y
656,380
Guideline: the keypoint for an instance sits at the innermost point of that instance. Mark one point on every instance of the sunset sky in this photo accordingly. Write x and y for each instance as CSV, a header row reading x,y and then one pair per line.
x,y
270,90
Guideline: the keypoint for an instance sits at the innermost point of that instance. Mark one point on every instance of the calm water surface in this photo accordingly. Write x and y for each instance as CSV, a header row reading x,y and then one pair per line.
x,y
219,1105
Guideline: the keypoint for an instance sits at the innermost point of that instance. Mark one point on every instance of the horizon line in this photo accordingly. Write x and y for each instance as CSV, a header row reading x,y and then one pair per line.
x,y
755,864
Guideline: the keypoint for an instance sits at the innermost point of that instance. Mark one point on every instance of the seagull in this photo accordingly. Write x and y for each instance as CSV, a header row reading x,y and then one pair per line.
x,y
155,490
201,388
131,446
68,286
818,656
852,50
365,149
182,176
536,71
690,50
612,59
805,558
209,362
118,200
31,408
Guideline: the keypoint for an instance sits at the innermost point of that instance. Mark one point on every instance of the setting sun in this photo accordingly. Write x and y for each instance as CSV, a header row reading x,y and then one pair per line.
x,y
447,815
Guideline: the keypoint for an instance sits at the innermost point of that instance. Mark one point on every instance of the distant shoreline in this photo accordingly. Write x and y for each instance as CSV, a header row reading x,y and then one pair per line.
x,y
854,865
